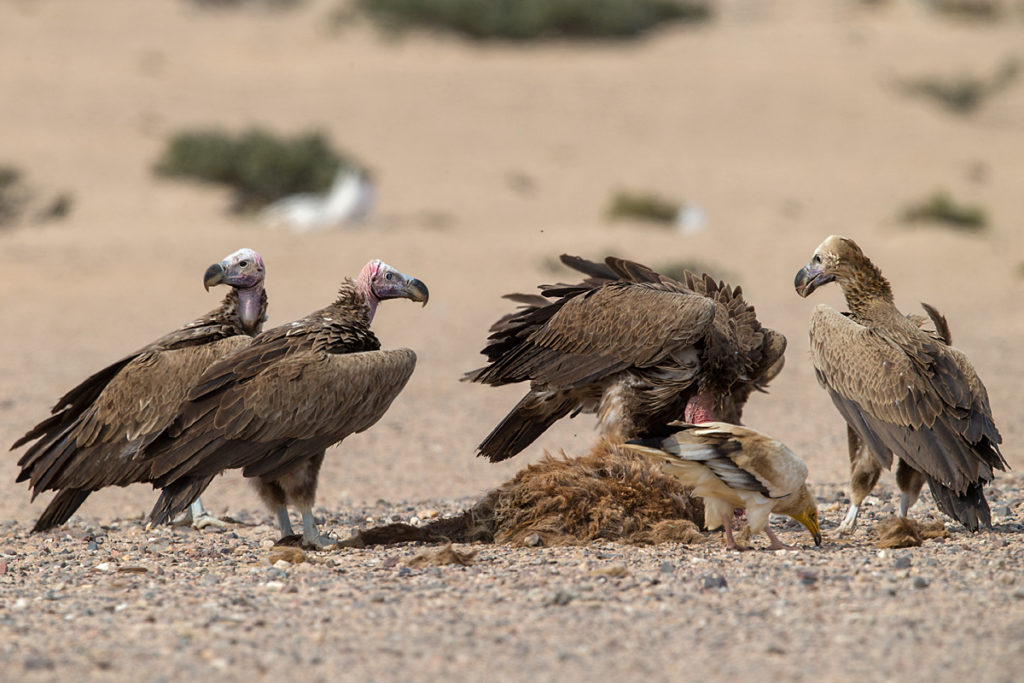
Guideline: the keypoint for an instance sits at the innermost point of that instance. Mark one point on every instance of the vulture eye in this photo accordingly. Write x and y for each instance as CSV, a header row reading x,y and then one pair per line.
x,y
243,264
816,259
387,276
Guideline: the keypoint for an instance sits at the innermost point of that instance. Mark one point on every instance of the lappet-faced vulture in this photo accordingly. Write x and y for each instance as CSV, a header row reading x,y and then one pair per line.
x,y
733,467
94,436
274,407
638,348
901,389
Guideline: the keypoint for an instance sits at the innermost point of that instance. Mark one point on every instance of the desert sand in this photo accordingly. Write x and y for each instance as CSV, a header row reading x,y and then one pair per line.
x,y
782,120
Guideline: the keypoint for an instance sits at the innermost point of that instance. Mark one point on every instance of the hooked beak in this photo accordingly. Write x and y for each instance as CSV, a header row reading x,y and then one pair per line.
x,y
400,286
214,275
810,277
810,520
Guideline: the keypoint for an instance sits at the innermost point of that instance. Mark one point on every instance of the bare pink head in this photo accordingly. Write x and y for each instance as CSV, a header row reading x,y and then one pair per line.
x,y
243,270
378,281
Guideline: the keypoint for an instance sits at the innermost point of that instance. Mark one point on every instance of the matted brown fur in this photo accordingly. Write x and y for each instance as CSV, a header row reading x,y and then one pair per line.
x,y
610,494
903,532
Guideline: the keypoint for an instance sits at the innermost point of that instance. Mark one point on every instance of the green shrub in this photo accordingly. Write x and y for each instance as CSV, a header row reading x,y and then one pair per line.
x,y
964,93
532,19
257,165
974,10
14,195
941,208
644,206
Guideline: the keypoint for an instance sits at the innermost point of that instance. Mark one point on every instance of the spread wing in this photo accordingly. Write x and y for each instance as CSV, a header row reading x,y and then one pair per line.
x,y
905,392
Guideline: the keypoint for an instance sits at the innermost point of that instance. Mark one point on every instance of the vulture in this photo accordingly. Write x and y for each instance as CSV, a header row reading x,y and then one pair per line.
x,y
97,430
733,467
274,406
638,348
901,389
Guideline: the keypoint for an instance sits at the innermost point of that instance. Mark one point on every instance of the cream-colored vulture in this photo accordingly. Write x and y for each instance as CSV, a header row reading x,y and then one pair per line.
x,y
97,429
733,467
901,389
274,407
638,348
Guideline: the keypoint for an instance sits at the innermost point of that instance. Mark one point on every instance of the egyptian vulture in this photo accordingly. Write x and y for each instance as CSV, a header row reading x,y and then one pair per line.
x,y
733,467
94,436
638,348
901,389
273,407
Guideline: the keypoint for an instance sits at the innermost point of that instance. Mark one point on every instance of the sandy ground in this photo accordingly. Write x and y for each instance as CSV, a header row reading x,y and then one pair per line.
x,y
782,121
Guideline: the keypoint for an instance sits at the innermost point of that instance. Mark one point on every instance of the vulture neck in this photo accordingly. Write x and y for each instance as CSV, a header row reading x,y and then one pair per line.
x,y
251,308
365,292
866,290
358,295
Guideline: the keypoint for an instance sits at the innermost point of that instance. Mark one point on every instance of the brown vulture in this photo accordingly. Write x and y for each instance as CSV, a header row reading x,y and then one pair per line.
x,y
734,467
638,348
901,389
94,436
273,407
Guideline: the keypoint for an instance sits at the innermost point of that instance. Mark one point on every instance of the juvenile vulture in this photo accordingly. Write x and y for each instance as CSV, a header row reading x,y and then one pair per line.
x,y
273,407
734,467
638,348
94,436
901,389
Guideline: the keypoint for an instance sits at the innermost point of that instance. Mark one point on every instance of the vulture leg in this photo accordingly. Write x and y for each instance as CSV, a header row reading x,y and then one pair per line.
x,y
730,542
273,496
284,522
776,543
909,482
864,472
197,517
311,535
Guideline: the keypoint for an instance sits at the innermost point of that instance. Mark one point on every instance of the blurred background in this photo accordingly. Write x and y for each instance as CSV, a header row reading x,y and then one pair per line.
x,y
470,143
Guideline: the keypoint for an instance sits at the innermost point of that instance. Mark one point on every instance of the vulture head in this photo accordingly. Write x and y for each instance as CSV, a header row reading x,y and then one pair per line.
x,y
803,509
831,260
244,271
378,281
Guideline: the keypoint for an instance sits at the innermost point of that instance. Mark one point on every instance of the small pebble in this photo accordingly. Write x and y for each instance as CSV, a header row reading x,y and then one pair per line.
x,y
532,541
901,562
715,581
920,582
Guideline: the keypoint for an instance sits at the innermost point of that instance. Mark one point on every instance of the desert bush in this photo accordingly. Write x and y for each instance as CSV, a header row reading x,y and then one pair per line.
x,y
644,206
677,270
13,195
964,93
259,166
532,19
941,208
974,10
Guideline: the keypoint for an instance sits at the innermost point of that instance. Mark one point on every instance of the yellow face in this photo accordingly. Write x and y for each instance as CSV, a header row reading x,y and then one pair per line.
x,y
809,518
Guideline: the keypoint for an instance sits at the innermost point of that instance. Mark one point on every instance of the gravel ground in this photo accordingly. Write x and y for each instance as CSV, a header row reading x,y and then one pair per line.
x,y
118,602
782,120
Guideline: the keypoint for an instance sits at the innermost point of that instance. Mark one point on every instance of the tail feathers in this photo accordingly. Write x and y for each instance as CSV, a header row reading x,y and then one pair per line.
x,y
176,497
969,508
60,509
525,422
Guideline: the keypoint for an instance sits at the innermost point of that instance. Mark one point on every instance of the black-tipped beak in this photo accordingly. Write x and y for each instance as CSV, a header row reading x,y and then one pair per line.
x,y
809,278
418,291
214,276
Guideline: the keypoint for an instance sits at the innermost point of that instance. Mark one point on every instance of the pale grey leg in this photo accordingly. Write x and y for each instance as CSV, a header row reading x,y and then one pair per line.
x,y
850,521
197,517
283,521
310,534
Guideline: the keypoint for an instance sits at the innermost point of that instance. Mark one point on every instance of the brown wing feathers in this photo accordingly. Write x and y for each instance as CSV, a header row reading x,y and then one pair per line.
x,y
902,389
623,323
